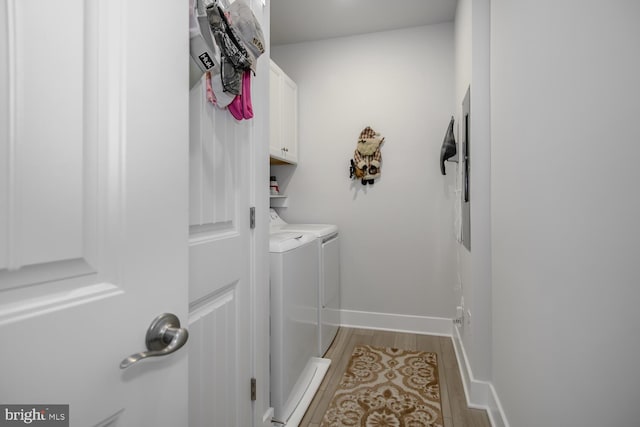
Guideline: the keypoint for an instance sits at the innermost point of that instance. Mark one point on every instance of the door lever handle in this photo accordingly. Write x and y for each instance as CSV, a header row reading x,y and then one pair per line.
x,y
164,336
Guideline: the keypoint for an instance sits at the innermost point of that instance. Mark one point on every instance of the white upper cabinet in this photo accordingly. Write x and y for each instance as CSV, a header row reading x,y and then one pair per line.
x,y
283,105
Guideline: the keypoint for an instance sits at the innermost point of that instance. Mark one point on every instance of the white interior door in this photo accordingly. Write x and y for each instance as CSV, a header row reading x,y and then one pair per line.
x,y
220,367
93,198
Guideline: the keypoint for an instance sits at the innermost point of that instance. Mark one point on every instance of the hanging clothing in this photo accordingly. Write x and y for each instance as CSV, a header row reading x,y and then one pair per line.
x,y
448,146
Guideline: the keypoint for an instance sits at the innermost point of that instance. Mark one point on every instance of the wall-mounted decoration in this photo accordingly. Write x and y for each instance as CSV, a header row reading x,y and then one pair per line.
x,y
367,159
465,164
449,150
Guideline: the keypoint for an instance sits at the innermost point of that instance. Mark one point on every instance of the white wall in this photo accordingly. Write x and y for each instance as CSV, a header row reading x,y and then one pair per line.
x,y
397,235
463,46
474,267
566,270
481,178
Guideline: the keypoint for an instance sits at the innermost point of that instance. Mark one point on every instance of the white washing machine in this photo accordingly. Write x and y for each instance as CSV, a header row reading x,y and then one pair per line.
x,y
295,371
329,279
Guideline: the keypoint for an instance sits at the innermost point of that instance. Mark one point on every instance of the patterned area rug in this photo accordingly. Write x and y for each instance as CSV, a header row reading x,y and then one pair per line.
x,y
387,387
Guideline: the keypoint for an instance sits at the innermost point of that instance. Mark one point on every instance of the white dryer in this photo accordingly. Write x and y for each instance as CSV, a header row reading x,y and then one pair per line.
x,y
329,275
295,371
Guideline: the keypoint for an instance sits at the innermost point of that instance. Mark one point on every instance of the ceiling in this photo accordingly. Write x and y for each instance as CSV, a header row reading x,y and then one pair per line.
x,y
295,21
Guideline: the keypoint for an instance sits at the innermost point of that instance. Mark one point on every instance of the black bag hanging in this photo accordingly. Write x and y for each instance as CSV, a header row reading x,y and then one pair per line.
x,y
448,146
235,59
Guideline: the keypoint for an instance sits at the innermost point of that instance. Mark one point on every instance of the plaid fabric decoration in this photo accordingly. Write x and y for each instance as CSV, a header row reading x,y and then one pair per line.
x,y
367,158
367,133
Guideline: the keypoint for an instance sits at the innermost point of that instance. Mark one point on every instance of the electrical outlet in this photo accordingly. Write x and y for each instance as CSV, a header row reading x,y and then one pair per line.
x,y
459,319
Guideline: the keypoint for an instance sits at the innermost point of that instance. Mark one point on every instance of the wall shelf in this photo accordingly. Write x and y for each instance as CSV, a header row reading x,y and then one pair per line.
x,y
279,201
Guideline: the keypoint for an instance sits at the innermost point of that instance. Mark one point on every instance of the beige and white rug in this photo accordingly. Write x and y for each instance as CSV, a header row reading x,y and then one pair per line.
x,y
387,387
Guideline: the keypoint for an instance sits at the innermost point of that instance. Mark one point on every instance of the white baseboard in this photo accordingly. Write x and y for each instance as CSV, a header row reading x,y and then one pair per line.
x,y
267,417
494,409
321,367
479,394
396,322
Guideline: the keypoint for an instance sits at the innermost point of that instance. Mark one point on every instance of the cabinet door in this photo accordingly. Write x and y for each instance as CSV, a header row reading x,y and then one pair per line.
x,y
275,133
289,124
283,122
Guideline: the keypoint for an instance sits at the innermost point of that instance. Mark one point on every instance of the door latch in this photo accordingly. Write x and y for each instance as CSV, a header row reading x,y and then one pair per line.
x,y
164,336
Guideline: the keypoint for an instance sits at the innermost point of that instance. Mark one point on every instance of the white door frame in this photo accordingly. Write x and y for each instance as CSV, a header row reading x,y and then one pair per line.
x,y
262,411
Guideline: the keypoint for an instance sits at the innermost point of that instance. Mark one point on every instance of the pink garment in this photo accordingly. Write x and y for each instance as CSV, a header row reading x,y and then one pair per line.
x,y
210,96
241,107
247,107
235,108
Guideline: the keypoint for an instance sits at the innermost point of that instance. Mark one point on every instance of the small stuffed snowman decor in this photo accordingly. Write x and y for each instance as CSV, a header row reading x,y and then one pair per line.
x,y
367,158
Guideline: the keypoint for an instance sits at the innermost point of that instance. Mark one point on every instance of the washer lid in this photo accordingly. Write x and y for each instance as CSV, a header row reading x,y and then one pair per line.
x,y
285,241
318,230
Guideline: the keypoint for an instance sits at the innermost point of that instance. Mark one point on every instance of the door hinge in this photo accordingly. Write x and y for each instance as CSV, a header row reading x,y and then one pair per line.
x,y
252,217
253,389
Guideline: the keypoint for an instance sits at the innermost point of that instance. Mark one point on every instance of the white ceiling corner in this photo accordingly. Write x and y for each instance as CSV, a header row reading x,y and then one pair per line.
x,y
296,21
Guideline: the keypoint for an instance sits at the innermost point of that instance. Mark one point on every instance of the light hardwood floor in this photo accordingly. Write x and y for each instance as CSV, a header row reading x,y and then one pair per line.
x,y
454,406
